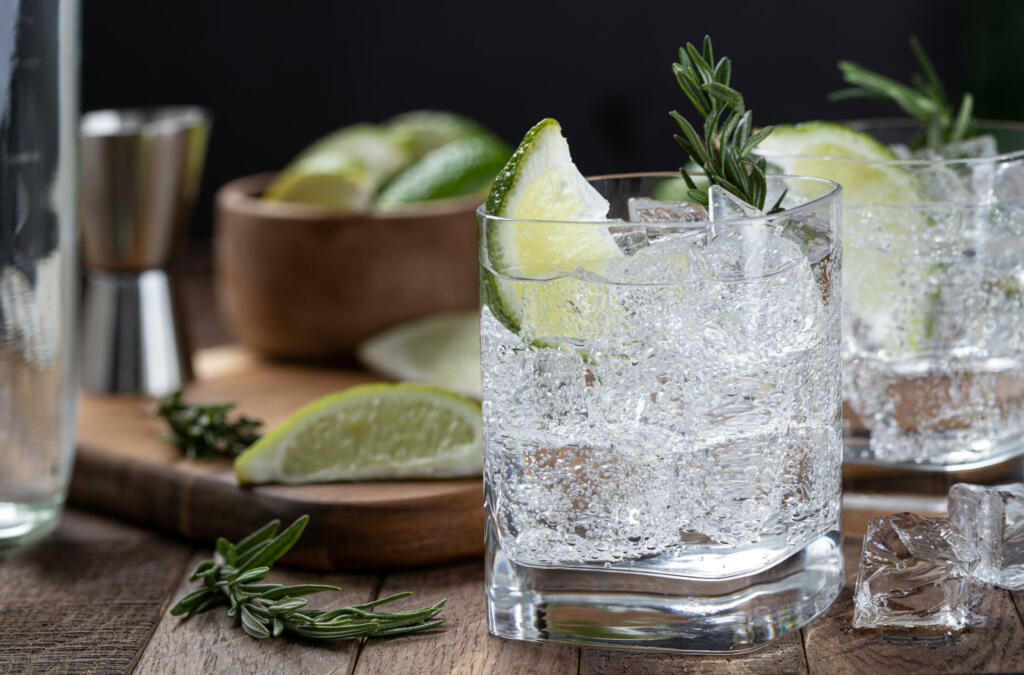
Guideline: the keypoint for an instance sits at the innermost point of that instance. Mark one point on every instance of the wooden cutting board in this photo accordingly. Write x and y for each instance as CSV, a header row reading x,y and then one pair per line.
x,y
124,469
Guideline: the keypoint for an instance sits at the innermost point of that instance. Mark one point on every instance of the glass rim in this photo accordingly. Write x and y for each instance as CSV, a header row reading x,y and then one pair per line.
x,y
867,123
835,191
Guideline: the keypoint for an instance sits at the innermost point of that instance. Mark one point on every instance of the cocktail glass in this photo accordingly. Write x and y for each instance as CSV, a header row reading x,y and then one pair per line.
x,y
662,429
933,316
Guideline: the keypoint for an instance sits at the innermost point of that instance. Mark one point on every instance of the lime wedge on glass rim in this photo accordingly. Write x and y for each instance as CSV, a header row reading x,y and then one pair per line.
x,y
371,432
871,277
541,183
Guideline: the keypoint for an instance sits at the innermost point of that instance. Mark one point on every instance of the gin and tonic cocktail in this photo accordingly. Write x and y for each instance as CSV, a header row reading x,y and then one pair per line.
x,y
661,405
933,288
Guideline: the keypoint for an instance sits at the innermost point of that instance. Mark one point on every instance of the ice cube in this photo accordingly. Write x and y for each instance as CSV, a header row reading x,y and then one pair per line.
x,y
723,205
646,210
660,218
915,572
744,250
667,258
992,518
972,148
941,183
901,151
1009,181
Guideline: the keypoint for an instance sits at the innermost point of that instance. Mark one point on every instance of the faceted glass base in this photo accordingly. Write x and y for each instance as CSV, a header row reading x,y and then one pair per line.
x,y
607,608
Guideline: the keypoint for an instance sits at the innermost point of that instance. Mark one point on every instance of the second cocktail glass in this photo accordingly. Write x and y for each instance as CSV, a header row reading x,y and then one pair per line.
x,y
933,297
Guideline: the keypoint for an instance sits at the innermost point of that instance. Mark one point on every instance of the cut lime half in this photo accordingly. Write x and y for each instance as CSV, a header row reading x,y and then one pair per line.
x,y
371,432
540,183
880,229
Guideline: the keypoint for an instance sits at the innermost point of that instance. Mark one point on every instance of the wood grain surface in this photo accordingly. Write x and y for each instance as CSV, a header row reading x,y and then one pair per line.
x,y
87,599
124,469
94,598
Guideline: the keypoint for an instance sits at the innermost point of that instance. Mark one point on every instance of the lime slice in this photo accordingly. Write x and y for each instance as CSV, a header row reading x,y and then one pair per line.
x,y
540,182
337,181
863,182
442,350
881,260
343,170
430,129
459,168
371,432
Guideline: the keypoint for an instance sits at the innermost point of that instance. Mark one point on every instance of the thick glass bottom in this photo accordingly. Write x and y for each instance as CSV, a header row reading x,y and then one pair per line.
x,y
24,523
627,610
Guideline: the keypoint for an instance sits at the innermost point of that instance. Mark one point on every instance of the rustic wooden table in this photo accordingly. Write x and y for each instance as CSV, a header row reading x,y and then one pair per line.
x,y
94,598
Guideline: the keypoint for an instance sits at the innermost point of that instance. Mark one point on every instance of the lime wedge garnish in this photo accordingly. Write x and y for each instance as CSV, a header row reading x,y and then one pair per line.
x,y
540,182
442,350
343,170
459,168
880,256
430,129
371,432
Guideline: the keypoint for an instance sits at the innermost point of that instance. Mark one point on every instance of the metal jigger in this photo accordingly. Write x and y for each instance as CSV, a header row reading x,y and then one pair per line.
x,y
139,177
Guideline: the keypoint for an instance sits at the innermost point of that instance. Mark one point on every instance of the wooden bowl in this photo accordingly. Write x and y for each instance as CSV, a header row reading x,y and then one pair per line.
x,y
306,282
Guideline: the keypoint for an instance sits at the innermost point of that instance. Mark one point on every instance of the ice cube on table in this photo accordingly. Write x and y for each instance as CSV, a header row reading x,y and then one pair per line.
x,y
915,572
724,205
992,519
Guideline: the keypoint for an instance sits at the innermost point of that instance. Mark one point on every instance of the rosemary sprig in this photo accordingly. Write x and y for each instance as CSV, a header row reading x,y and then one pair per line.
x,y
723,152
925,99
233,577
205,430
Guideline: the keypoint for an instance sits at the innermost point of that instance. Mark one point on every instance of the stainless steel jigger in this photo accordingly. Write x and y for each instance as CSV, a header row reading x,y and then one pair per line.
x,y
139,177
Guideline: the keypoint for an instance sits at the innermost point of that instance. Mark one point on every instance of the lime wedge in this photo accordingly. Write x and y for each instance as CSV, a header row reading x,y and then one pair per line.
x,y
863,182
459,168
540,182
881,260
340,182
371,432
343,170
430,129
442,350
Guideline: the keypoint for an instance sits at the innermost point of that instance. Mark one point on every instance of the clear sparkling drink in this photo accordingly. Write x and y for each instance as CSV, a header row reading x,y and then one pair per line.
x,y
668,424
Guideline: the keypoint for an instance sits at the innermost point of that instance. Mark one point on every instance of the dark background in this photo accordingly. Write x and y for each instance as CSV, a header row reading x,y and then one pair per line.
x,y
277,75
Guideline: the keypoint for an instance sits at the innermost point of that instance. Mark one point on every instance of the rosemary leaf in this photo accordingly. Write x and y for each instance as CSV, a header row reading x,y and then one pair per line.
x,y
206,430
924,99
724,151
270,610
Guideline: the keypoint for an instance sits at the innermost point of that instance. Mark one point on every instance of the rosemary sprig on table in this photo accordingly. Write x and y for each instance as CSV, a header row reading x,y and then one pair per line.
x,y
723,152
206,430
267,610
925,99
